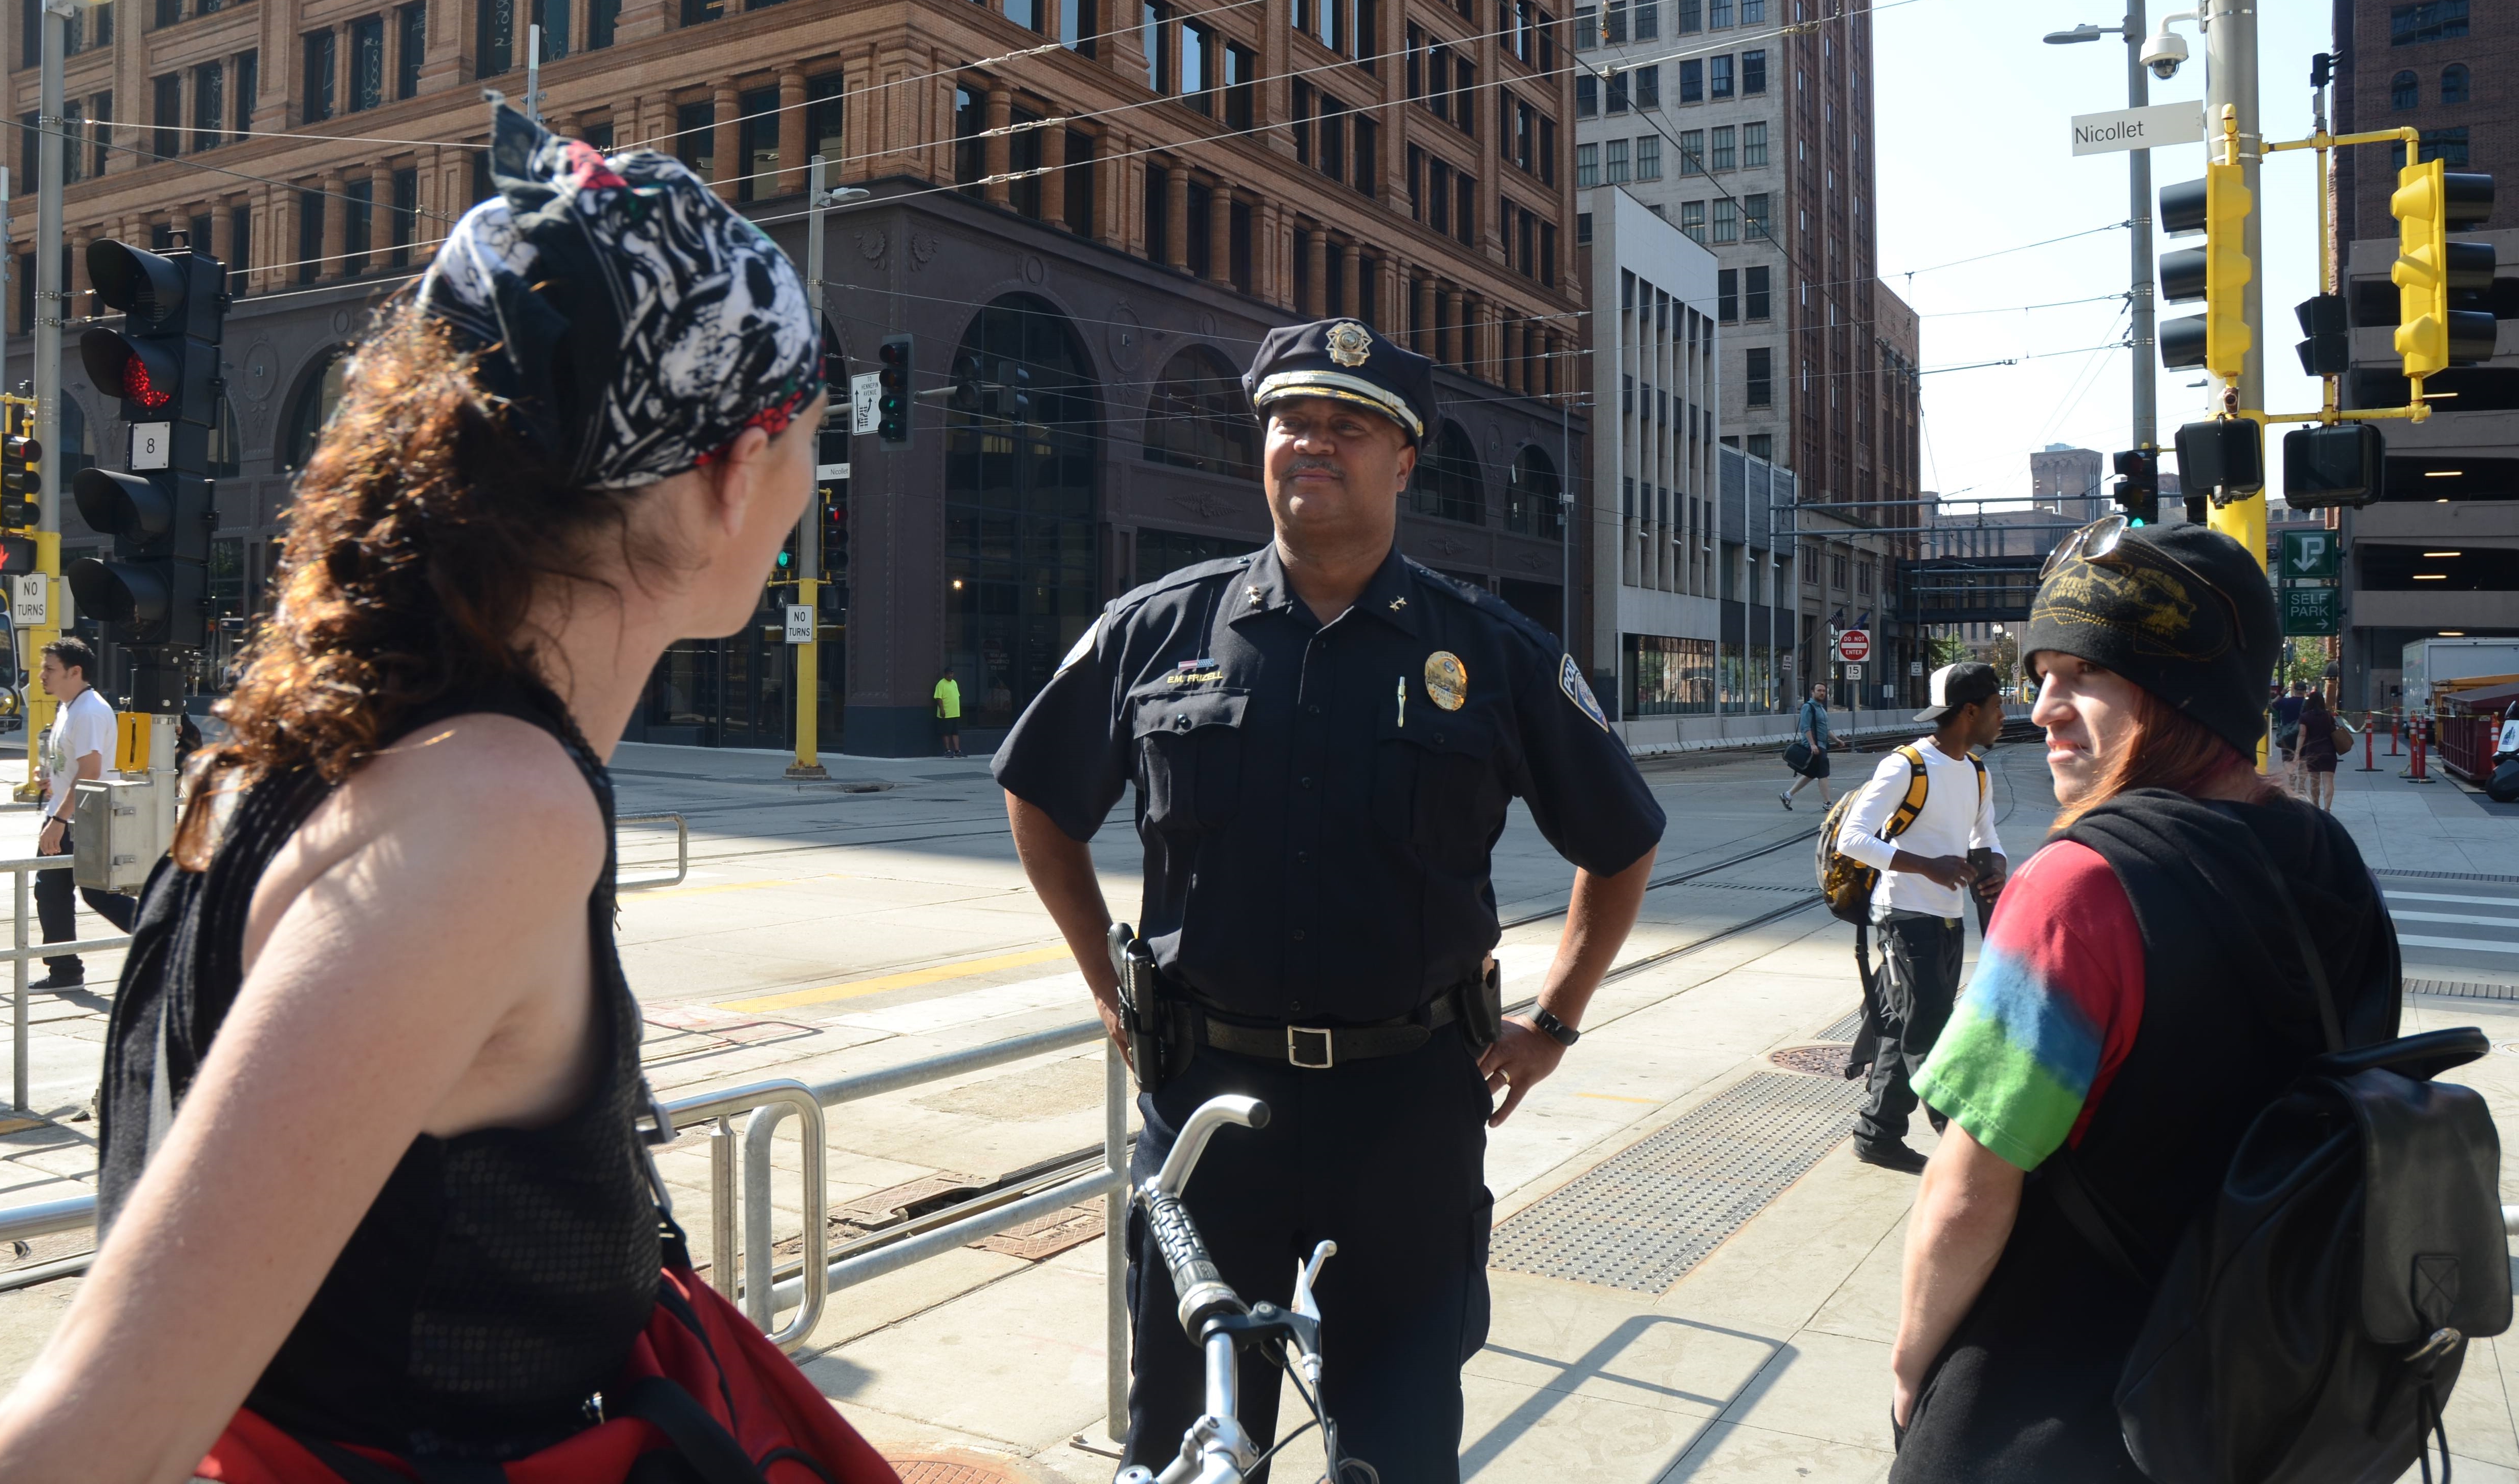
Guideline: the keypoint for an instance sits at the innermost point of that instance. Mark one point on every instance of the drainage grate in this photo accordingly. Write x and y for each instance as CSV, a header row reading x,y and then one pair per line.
x,y
1844,1029
952,1469
1641,1218
2462,988
2446,875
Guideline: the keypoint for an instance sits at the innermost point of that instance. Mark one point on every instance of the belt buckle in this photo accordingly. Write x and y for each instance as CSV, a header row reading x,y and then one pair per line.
x,y
1294,1047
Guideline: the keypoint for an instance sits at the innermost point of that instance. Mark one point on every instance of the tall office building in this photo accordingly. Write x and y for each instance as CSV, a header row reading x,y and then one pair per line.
x,y
1749,125
1115,199
2439,552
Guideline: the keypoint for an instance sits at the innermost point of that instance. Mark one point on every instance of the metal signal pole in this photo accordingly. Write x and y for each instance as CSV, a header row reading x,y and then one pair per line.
x,y
2230,79
809,526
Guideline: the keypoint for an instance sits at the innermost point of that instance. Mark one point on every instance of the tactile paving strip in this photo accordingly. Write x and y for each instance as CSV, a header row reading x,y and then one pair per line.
x,y
1641,1218
2462,988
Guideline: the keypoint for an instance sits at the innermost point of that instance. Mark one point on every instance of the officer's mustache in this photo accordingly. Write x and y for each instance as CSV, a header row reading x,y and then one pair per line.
x,y
1302,466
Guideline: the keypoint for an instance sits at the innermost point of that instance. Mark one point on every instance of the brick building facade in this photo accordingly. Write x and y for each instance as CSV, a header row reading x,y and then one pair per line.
x,y
1117,200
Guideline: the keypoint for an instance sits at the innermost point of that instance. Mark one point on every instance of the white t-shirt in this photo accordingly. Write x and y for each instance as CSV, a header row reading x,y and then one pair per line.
x,y
84,726
1953,820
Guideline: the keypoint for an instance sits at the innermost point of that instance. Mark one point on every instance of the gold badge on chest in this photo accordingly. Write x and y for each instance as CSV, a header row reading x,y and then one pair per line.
x,y
1448,680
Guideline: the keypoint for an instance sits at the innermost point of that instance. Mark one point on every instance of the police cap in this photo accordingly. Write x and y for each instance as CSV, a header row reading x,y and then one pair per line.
x,y
1347,361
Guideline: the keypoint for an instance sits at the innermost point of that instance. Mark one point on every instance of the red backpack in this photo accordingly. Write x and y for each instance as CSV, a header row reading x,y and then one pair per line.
x,y
702,1388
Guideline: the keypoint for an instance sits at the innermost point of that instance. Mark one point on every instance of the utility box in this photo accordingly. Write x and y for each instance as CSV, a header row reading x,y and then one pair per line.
x,y
120,828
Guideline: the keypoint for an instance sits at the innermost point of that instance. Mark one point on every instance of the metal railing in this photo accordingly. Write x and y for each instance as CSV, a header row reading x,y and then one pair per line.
x,y
739,1200
682,853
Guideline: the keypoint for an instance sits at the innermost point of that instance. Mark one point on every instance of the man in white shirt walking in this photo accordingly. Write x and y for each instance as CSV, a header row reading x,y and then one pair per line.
x,y
75,746
1923,855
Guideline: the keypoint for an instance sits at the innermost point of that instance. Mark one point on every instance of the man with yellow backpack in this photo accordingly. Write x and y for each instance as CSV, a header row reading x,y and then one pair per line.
x,y
1898,858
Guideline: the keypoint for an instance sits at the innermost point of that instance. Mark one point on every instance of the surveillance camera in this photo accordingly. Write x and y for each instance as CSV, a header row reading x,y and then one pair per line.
x,y
2164,53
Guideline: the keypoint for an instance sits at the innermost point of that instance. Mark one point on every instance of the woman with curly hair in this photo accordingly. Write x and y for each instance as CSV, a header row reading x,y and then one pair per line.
x,y
369,1166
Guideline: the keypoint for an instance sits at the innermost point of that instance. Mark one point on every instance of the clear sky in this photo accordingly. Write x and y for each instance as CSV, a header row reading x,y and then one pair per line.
x,y
1974,153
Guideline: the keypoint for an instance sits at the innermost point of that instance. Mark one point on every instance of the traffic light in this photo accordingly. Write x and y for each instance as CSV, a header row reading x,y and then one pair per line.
x,y
2338,466
2215,273
21,482
2225,459
152,592
892,409
1012,393
2329,350
17,556
2138,491
2430,201
966,383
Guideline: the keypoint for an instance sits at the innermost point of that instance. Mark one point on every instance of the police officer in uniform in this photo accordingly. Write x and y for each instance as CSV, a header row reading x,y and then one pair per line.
x,y
1324,738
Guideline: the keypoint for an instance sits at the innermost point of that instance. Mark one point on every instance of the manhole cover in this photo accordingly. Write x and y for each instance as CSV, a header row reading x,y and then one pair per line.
x,y
1827,1060
953,1468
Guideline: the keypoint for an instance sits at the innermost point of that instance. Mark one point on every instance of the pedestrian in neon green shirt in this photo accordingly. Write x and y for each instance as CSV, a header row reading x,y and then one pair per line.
x,y
948,714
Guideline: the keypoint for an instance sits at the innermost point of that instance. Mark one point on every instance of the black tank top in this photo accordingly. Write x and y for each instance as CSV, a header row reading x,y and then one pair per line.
x,y
502,1275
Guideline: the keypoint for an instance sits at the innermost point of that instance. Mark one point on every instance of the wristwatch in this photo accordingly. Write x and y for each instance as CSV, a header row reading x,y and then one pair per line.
x,y
1556,1030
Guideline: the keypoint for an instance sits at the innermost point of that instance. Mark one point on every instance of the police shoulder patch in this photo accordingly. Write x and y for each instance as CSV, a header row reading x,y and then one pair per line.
x,y
1570,679
1083,645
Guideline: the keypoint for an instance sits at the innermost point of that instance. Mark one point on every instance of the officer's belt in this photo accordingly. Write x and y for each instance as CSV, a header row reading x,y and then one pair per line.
x,y
1317,1048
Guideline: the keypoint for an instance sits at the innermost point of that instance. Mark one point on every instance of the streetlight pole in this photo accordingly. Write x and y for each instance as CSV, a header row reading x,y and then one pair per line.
x,y
51,305
2145,388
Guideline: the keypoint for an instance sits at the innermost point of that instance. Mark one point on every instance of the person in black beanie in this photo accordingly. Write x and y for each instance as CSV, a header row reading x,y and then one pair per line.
x,y
2138,999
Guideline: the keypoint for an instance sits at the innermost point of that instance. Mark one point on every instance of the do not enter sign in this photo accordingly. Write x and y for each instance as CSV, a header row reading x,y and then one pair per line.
x,y
1854,645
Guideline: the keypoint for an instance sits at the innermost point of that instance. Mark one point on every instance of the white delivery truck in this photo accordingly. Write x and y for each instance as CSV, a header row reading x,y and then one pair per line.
x,y
2429,661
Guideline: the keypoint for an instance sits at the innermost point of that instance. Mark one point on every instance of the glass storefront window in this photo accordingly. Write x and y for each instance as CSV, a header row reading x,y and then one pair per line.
x,y
1022,573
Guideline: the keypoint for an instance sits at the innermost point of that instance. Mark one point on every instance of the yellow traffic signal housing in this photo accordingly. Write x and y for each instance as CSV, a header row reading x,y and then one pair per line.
x,y
2227,270
2428,202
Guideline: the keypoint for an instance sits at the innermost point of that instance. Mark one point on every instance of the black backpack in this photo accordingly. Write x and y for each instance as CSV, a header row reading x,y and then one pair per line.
x,y
2313,1321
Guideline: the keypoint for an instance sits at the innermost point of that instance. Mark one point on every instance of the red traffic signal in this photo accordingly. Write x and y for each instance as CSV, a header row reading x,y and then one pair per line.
x,y
146,375
17,556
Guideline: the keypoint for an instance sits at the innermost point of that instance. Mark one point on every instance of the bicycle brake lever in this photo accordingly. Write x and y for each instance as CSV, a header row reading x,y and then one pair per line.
x,y
1304,1304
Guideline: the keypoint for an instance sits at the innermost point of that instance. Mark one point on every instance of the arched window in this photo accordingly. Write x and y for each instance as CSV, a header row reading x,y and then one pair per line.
x,y
1532,505
2455,84
319,392
1020,507
2403,92
1446,485
1199,417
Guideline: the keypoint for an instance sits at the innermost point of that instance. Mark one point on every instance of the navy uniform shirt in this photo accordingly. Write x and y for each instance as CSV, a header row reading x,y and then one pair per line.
x,y
1317,821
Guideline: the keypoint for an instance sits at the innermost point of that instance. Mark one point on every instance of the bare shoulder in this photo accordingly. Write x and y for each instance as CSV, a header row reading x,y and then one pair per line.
x,y
481,799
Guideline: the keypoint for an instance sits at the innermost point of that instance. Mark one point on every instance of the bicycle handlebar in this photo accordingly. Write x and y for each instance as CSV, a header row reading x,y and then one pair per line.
x,y
1204,1292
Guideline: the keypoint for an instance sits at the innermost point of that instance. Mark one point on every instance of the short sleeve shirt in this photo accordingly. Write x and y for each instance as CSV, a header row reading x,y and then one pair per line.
x,y
2049,1013
1814,722
84,726
1318,803
949,699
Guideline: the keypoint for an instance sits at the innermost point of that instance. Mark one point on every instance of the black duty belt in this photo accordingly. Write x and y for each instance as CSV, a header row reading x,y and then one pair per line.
x,y
1317,1048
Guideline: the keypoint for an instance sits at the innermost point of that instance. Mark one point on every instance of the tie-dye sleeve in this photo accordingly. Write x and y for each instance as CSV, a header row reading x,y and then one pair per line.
x,y
2049,1013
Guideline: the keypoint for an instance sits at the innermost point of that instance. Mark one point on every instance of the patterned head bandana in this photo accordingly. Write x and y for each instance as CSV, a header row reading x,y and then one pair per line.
x,y
633,322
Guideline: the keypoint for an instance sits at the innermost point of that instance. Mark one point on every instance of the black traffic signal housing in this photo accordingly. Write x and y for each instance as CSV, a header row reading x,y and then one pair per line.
x,y
2338,466
2224,461
2138,491
153,591
21,482
966,384
2329,350
892,408
1009,397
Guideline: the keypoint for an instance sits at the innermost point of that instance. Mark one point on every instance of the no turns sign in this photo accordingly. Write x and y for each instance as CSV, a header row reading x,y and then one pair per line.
x,y
1854,647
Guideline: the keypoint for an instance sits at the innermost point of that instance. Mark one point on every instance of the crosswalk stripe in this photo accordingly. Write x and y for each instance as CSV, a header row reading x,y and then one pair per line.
x,y
2464,920
2472,901
2473,944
